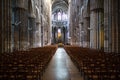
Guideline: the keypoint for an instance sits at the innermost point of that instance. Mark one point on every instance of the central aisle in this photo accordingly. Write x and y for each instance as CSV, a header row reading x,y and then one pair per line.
x,y
61,68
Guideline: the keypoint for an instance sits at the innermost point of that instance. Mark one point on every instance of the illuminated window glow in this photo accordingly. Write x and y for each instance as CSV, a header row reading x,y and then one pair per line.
x,y
59,33
59,16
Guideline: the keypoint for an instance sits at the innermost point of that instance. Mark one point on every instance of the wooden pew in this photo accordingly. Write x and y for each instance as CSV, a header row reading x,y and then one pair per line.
x,y
25,65
95,64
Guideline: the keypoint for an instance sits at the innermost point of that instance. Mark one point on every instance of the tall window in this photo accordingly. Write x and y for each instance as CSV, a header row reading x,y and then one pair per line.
x,y
64,16
59,16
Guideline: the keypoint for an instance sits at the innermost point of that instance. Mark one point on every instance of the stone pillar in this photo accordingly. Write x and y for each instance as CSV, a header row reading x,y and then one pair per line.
x,y
86,31
24,30
86,21
31,27
114,26
117,27
107,27
9,26
111,25
5,25
96,23
115,18
20,26
100,30
54,35
93,32
37,35
64,35
1,25
81,34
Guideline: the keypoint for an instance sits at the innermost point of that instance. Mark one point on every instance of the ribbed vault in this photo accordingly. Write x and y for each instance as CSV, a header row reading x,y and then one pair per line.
x,y
59,4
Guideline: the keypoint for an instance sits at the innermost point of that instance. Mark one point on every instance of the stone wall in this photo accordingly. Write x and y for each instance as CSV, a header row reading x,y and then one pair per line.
x,y
23,24
98,24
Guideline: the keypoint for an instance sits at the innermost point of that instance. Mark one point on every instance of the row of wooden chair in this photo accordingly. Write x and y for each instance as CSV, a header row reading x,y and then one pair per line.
x,y
25,65
95,64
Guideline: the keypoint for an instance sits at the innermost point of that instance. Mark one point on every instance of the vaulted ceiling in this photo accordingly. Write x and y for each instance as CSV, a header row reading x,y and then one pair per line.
x,y
59,4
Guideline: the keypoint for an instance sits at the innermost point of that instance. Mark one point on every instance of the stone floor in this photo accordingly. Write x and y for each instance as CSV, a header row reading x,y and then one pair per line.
x,y
61,68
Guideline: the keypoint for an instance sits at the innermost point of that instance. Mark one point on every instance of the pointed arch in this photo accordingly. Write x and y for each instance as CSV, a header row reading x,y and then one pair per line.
x,y
37,15
31,11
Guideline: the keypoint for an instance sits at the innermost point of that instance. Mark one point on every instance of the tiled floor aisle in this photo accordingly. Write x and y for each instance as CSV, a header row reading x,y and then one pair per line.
x,y
61,68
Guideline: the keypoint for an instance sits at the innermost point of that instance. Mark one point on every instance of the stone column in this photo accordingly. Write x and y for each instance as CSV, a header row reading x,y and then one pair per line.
x,y
100,30
107,27
9,44
81,34
1,25
54,34
86,21
5,25
113,10
96,21
115,18
86,31
31,27
20,25
93,32
37,35
63,34
118,26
